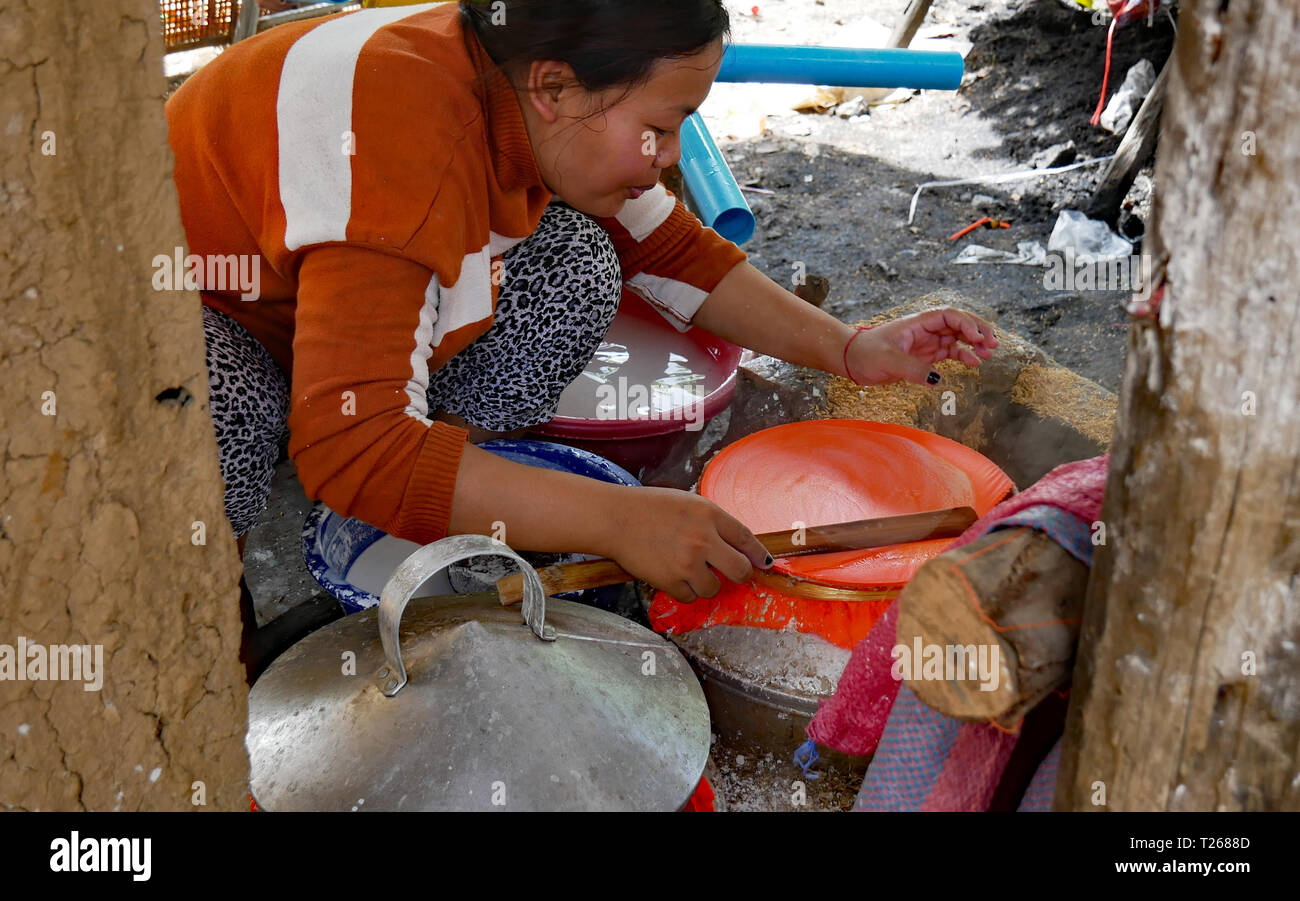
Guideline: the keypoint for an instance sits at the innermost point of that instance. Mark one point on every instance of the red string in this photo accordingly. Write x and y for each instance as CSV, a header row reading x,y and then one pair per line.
x,y
860,330
1101,102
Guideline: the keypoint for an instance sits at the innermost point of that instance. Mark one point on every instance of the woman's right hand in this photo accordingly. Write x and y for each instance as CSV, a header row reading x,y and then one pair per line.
x,y
663,536
671,538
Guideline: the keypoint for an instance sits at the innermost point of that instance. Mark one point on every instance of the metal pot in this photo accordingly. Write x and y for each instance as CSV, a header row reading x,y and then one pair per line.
x,y
461,704
763,687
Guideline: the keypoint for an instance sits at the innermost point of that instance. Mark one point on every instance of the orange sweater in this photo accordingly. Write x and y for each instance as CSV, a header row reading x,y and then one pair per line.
x,y
378,175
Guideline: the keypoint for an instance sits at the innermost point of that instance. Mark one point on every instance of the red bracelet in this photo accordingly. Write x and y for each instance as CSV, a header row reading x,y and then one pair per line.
x,y
860,330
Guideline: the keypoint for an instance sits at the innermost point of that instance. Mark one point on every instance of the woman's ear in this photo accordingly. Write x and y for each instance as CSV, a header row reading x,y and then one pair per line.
x,y
548,80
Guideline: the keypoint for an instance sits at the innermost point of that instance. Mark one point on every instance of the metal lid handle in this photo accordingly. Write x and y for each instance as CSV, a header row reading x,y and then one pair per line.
x,y
428,560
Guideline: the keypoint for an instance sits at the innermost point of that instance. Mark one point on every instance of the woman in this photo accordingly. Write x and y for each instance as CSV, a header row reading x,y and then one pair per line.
x,y
393,170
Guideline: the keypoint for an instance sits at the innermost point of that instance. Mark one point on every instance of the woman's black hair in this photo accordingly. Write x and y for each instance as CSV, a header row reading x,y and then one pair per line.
x,y
608,43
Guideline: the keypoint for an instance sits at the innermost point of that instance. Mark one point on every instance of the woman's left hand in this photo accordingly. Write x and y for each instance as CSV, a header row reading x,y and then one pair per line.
x,y
906,348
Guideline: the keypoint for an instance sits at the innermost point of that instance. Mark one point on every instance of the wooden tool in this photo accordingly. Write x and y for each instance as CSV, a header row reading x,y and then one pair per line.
x,y
844,536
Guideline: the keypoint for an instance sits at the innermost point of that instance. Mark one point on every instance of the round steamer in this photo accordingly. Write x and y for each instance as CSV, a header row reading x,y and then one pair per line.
x,y
462,704
770,650
839,470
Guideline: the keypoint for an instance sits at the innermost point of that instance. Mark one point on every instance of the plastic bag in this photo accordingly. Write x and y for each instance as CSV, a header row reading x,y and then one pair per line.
x,y
1090,240
1124,105
1028,253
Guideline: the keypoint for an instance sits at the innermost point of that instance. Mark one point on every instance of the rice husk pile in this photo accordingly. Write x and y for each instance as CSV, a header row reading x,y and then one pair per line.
x,y
1049,390
1057,393
899,403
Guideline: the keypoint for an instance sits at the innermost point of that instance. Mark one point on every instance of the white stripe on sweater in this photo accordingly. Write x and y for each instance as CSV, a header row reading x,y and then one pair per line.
x,y
470,299
417,386
447,309
676,301
313,112
649,211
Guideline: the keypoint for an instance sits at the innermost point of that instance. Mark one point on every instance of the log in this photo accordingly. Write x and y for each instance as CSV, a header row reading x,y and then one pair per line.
x,y
1186,692
910,22
1013,590
1135,149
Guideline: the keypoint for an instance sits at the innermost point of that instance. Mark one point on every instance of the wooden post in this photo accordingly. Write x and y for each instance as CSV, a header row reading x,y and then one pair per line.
x,y
1187,686
1135,148
112,535
246,24
910,23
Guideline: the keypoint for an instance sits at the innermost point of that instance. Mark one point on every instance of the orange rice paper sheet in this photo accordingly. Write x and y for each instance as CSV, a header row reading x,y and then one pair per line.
x,y
822,472
844,623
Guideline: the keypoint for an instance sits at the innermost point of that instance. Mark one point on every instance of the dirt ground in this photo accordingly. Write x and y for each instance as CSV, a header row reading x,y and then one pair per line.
x,y
839,204
1033,76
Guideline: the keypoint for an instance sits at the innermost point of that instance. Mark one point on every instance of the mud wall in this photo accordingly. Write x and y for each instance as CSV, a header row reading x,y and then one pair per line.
x,y
111,527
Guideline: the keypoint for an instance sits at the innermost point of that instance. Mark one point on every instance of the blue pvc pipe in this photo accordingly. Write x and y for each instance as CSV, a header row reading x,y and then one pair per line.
x,y
842,66
715,196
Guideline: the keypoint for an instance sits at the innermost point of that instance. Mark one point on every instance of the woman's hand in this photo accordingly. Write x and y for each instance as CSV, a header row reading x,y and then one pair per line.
x,y
906,348
663,536
671,538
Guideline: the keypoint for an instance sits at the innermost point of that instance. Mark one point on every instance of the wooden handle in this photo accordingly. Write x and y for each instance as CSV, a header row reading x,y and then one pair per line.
x,y
844,536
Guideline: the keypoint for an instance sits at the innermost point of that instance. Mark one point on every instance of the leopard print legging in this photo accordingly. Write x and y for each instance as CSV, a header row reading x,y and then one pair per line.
x,y
558,296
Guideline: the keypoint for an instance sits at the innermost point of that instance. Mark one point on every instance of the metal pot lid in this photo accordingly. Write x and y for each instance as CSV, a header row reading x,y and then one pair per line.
x,y
565,708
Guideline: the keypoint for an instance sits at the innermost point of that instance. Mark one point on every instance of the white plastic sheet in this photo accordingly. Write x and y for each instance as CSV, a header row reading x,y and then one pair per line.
x,y
1090,240
1028,253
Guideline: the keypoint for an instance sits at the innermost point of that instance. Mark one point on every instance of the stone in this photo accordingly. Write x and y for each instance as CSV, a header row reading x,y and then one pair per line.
x,y
854,106
815,289
1057,155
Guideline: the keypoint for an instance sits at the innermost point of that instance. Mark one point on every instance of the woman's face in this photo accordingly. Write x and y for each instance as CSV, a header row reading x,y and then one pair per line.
x,y
596,151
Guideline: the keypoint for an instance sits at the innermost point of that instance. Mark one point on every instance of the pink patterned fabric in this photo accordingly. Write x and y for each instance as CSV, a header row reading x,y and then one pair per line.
x,y
1076,488
973,769
854,718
